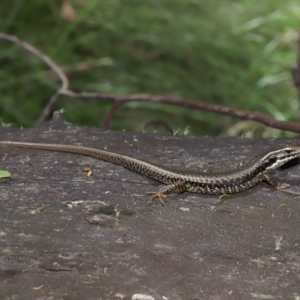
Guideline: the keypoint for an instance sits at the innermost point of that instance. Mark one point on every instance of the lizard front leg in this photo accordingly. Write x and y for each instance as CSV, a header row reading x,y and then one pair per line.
x,y
266,178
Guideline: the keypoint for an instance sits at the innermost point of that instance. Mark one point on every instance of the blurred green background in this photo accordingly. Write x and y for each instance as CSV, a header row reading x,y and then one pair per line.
x,y
235,53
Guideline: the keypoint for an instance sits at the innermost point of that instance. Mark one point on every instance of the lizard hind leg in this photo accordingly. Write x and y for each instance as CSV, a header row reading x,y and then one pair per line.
x,y
158,195
177,187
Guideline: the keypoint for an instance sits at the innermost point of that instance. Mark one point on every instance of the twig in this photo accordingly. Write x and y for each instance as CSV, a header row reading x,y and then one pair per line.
x,y
296,68
47,109
46,59
119,100
51,75
108,116
192,104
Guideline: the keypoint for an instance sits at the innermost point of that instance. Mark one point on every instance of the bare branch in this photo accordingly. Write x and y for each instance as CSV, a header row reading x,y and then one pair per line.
x,y
192,104
47,109
109,115
296,68
46,59
119,100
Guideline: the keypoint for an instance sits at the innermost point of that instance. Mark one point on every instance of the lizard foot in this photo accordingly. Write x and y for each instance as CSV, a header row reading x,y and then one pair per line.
x,y
282,185
158,195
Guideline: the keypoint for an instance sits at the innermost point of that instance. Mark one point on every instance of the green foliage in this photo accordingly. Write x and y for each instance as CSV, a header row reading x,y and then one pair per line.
x,y
4,174
225,52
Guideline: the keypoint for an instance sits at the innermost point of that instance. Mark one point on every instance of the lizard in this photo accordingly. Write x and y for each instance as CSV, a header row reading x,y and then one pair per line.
x,y
246,176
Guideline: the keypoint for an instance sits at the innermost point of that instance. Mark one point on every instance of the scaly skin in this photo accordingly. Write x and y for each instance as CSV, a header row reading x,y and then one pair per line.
x,y
237,180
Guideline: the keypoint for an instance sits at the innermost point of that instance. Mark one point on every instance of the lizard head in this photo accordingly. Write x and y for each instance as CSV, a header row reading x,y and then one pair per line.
x,y
278,157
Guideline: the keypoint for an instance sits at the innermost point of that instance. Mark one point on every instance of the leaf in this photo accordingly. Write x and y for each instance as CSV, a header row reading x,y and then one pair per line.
x,y
4,174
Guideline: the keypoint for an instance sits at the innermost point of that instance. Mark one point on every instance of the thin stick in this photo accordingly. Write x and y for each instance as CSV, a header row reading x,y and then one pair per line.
x,y
46,59
119,100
